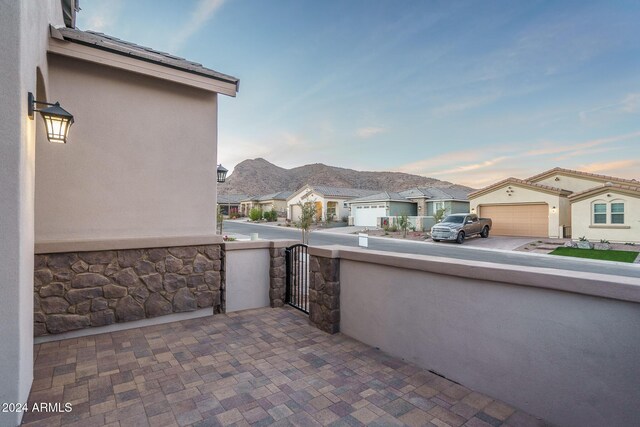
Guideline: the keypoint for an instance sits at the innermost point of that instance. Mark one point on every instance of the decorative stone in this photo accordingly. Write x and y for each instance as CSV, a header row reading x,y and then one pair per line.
x,y
212,278
156,254
97,268
42,277
54,305
140,294
173,264
111,269
212,251
153,282
114,291
128,309
201,264
89,280
57,323
205,299
54,289
183,252
102,318
143,267
157,305
80,266
126,277
184,300
173,282
99,304
128,257
84,307
98,257
61,260
76,296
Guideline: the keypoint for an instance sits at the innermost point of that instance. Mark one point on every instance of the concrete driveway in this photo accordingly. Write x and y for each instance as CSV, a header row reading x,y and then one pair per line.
x,y
493,242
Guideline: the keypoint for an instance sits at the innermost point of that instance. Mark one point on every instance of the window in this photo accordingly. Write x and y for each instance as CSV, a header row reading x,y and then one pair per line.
x,y
617,213
599,213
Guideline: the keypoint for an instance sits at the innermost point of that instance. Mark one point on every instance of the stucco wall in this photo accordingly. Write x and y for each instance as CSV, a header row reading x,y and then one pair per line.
x,y
526,195
247,276
571,183
582,218
568,357
24,30
140,160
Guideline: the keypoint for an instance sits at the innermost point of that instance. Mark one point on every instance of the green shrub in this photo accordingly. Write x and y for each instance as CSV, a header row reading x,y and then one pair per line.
x,y
255,214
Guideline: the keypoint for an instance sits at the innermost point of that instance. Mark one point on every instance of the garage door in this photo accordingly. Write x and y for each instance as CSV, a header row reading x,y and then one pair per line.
x,y
367,216
518,220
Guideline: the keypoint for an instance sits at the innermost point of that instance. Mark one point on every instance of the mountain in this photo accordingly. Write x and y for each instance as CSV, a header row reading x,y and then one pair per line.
x,y
258,176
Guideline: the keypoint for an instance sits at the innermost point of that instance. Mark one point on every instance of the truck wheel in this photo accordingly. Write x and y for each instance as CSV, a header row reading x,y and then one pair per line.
x,y
460,238
485,233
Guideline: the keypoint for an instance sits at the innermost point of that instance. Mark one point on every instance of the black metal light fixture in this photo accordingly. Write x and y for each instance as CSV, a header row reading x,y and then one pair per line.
x,y
56,119
222,173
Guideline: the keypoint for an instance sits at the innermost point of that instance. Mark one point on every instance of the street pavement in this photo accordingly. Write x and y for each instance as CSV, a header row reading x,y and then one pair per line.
x,y
438,249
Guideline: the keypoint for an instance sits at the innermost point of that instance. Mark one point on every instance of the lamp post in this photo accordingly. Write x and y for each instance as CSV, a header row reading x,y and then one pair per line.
x,y
222,176
56,119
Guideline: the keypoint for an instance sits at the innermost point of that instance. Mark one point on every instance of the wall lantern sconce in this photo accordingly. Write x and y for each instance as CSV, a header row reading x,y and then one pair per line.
x,y
222,174
56,119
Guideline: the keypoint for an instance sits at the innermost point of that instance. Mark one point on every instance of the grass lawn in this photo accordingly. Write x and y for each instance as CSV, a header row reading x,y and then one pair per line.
x,y
620,256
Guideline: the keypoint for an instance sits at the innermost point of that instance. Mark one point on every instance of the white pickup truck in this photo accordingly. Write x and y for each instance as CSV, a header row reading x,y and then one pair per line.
x,y
459,226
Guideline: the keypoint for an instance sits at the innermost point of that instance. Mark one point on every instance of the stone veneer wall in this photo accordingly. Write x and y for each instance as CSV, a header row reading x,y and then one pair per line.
x,y
277,276
324,293
84,289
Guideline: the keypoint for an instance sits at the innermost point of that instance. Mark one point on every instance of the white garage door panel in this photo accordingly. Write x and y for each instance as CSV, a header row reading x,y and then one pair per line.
x,y
367,217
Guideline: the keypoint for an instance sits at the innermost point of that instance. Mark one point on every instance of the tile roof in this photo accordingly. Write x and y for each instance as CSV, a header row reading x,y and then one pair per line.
x,y
526,183
231,198
434,193
122,47
384,196
585,174
342,192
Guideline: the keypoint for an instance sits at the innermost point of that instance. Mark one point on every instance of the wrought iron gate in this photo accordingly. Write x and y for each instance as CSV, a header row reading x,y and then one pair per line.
x,y
297,283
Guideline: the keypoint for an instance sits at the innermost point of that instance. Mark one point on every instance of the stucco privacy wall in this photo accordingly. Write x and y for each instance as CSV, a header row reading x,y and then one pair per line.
x,y
140,160
582,214
24,31
568,356
524,195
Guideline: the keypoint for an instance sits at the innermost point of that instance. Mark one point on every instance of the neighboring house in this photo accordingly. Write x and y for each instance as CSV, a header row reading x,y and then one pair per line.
x,y
552,203
133,174
366,211
266,202
330,202
230,203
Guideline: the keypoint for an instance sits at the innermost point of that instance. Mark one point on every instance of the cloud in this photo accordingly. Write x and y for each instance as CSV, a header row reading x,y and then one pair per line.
x,y
368,132
101,16
203,12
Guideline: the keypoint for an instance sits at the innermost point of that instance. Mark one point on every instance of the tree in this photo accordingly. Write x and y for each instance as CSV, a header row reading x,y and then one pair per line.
x,y
439,215
307,216
403,223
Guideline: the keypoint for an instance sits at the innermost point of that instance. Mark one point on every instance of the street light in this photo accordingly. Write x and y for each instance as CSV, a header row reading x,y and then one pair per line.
x,y
56,119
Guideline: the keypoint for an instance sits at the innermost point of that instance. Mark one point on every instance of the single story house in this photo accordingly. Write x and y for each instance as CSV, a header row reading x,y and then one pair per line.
x,y
420,204
366,211
543,205
266,202
330,202
230,203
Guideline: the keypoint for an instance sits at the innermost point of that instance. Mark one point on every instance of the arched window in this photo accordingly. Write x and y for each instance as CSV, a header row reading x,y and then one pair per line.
x,y
617,212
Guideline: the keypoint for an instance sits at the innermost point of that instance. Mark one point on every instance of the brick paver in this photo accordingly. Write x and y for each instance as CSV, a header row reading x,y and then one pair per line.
x,y
258,367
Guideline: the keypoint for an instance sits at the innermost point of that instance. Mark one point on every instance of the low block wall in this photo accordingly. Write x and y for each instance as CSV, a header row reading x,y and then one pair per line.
x,y
75,290
562,345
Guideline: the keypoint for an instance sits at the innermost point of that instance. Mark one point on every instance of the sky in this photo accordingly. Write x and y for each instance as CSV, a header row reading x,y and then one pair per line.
x,y
468,91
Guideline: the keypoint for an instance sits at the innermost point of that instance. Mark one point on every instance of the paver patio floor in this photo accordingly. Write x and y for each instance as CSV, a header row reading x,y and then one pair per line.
x,y
257,367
